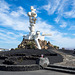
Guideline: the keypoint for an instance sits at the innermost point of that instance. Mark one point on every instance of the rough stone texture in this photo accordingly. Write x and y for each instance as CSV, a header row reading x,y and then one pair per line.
x,y
30,44
9,62
45,45
19,67
21,53
50,44
44,62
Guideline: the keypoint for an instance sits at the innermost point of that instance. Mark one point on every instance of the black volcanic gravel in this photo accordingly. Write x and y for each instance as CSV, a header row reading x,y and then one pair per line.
x,y
70,52
28,52
53,58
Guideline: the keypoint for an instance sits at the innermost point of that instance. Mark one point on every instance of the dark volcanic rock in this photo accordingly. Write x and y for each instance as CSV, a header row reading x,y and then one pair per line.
x,y
27,44
3,57
30,44
19,67
9,62
70,52
29,56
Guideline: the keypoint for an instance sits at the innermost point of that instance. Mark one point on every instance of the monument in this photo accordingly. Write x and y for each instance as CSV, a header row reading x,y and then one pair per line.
x,y
32,34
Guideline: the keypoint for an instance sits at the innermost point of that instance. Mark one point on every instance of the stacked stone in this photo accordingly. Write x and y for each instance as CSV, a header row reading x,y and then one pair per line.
x,y
30,44
45,45
27,44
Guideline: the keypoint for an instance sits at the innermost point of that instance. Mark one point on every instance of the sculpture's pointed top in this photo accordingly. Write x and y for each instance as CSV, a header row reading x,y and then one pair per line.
x,y
32,7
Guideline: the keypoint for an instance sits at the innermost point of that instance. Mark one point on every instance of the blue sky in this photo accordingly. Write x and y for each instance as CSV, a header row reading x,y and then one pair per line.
x,y
54,16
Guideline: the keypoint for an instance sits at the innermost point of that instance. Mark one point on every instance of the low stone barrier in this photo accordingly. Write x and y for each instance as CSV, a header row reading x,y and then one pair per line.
x,y
3,57
61,66
19,67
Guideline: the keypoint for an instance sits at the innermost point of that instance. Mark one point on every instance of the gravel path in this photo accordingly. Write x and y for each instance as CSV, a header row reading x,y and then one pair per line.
x,y
69,59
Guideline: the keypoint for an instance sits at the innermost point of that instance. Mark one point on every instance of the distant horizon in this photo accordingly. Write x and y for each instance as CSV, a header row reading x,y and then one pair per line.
x,y
53,16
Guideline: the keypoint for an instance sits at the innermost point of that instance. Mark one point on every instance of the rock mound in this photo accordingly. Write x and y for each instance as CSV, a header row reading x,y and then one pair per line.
x,y
30,44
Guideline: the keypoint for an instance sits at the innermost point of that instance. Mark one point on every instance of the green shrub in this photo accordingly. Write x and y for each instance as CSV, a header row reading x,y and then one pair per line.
x,y
56,47
12,48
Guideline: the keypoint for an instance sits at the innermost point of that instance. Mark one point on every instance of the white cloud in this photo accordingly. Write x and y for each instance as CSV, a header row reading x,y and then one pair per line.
x,y
4,7
19,12
61,41
4,35
13,19
47,7
73,34
42,26
51,6
37,9
64,7
72,28
71,13
63,25
57,19
9,39
8,35
60,9
15,23
57,37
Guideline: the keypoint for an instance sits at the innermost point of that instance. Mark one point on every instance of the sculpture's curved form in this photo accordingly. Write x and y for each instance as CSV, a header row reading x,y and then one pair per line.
x,y
33,35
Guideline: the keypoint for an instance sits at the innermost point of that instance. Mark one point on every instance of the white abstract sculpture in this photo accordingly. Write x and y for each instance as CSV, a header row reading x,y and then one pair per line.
x,y
33,35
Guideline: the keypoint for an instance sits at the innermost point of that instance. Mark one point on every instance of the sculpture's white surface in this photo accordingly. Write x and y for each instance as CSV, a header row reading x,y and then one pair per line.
x,y
32,34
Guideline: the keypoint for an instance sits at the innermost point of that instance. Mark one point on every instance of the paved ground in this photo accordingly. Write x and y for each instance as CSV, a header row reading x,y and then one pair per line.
x,y
39,72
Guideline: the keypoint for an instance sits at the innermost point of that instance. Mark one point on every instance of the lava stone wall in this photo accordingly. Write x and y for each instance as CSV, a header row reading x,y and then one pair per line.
x,y
19,67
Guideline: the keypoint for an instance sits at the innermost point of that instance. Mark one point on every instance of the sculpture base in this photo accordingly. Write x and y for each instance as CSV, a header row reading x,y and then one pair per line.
x,y
30,44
